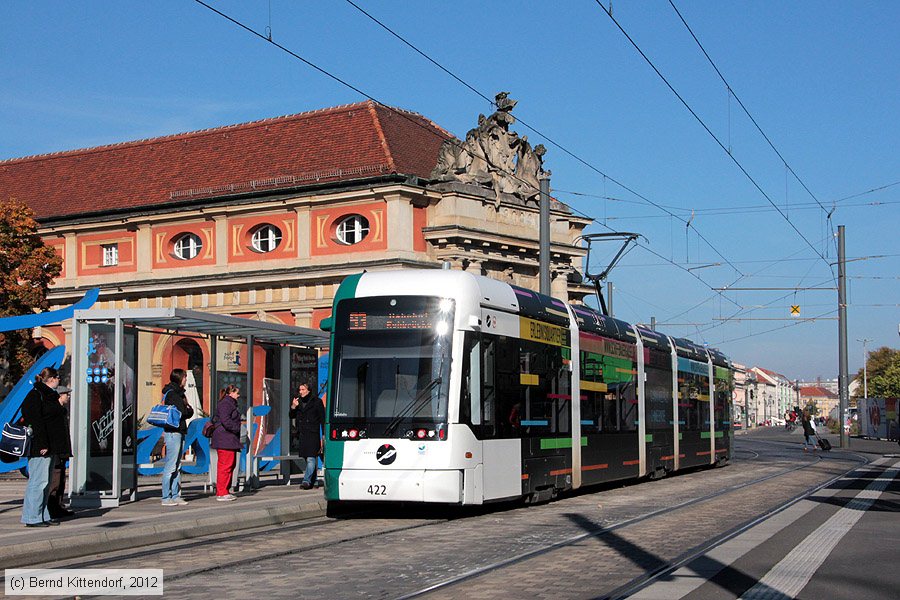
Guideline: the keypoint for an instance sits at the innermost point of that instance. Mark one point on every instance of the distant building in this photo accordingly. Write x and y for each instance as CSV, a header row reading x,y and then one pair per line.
x,y
744,396
825,400
777,394
826,384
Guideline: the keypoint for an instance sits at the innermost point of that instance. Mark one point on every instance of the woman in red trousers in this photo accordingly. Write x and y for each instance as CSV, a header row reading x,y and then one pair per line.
x,y
226,439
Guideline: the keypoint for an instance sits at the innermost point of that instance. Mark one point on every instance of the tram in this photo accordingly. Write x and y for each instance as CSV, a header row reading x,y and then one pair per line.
x,y
447,387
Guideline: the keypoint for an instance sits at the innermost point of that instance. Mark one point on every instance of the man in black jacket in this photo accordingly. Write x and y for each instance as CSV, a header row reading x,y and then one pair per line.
x,y
309,415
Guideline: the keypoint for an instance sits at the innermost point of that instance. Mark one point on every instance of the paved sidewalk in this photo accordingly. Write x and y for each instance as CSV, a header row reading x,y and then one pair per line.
x,y
146,521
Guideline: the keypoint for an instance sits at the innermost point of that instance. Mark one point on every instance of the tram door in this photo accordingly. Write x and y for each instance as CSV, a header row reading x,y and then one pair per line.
x,y
501,458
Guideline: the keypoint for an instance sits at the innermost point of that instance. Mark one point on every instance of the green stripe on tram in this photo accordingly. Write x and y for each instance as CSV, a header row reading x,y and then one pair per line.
x,y
334,457
557,443
704,435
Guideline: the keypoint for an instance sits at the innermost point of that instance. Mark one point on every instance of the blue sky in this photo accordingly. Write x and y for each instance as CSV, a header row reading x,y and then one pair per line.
x,y
820,78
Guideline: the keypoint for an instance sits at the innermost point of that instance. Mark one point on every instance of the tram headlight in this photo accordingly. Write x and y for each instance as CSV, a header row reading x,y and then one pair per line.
x,y
445,305
442,328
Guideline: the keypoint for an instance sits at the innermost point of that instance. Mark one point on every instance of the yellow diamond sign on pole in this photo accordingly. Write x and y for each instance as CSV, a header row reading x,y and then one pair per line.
x,y
795,310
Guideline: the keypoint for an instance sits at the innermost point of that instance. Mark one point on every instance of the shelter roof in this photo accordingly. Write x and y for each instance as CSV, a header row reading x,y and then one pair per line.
x,y
182,320
342,143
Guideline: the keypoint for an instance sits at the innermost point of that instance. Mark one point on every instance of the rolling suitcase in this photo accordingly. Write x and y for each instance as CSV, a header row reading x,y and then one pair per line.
x,y
823,443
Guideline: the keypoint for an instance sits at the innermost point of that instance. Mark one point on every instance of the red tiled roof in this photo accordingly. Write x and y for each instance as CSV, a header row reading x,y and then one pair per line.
x,y
816,392
332,144
771,373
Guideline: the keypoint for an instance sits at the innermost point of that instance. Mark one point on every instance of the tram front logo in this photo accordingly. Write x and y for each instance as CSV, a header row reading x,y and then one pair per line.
x,y
386,454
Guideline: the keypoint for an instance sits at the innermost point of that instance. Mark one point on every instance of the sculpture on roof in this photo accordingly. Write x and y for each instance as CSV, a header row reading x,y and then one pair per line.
x,y
494,157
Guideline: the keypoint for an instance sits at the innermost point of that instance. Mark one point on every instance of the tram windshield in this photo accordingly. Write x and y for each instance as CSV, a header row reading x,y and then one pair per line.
x,y
392,368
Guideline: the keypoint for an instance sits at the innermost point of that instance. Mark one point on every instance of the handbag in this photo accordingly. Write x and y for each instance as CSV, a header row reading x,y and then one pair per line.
x,y
15,440
209,427
164,415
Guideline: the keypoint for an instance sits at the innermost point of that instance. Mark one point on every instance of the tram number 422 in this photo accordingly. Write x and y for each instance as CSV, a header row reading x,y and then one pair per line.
x,y
377,490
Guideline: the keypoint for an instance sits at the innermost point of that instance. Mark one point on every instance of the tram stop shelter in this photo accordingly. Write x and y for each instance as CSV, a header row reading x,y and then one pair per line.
x,y
121,360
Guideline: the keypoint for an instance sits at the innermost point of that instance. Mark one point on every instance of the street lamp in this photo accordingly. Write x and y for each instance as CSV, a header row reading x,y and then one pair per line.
x,y
865,366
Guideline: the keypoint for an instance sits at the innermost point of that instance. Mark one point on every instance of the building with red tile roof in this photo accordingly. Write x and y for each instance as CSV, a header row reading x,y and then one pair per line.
x,y
825,400
265,219
341,144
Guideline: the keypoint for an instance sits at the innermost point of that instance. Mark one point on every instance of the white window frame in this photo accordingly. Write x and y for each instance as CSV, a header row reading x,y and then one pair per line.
x,y
110,255
188,246
352,229
265,238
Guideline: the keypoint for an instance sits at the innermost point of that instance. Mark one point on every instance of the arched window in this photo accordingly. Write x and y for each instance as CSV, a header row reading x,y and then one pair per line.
x,y
265,238
352,230
187,246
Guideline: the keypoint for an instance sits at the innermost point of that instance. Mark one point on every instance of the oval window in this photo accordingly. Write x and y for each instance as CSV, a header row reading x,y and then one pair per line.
x,y
187,246
352,230
265,238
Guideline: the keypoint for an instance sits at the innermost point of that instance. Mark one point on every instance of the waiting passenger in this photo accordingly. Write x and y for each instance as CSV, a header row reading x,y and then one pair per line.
x,y
309,416
173,394
226,439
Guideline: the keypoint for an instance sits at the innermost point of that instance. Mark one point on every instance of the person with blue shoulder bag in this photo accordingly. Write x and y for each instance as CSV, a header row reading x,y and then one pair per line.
x,y
173,395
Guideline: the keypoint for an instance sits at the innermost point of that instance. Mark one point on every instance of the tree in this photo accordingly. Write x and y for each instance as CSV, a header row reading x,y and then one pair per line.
x,y
887,383
878,362
27,269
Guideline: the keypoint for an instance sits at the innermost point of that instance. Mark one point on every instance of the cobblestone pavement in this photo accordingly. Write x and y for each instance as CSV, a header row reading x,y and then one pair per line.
x,y
396,553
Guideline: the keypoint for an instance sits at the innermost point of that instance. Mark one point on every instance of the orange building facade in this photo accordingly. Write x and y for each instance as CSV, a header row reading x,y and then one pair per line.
x,y
264,220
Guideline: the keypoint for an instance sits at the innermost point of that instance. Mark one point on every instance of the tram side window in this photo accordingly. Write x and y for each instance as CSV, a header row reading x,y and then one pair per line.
x,y
609,396
628,406
693,401
524,388
723,403
658,389
489,387
591,391
470,401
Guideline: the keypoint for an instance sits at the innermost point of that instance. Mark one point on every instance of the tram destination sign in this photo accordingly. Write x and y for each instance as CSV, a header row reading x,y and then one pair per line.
x,y
412,320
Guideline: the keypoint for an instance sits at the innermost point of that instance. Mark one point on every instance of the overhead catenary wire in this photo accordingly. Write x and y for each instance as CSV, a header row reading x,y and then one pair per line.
x,y
734,95
540,133
402,114
711,134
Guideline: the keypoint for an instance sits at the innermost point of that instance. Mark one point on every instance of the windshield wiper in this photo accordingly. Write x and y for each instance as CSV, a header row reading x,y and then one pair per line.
x,y
414,405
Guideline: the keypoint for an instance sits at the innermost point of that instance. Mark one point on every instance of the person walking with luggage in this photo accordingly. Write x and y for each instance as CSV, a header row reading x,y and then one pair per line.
x,y
226,439
43,413
309,416
809,431
173,394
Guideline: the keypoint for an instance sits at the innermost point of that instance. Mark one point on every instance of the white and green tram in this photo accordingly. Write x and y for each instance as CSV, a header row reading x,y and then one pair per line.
x,y
447,387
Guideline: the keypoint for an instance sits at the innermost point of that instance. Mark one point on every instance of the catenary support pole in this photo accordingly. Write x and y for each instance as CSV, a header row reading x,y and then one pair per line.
x,y
545,237
842,337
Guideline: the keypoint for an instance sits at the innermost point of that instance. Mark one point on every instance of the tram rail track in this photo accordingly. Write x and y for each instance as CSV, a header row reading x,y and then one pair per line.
x,y
640,582
314,529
